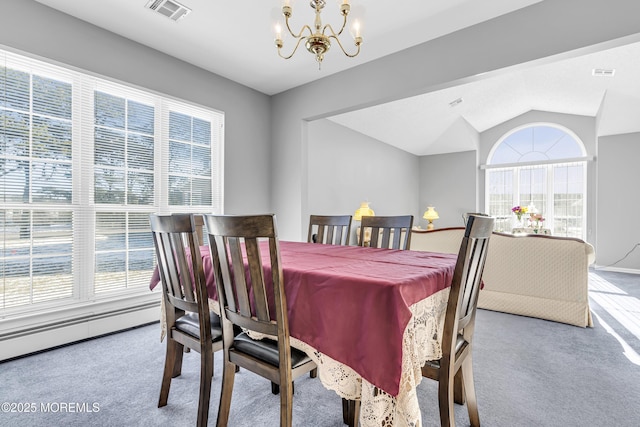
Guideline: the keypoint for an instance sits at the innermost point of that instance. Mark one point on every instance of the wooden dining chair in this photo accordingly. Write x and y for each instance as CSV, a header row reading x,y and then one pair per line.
x,y
329,229
385,230
189,322
454,370
252,296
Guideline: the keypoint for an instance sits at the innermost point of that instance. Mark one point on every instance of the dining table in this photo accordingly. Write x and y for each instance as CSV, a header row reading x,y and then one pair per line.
x,y
368,317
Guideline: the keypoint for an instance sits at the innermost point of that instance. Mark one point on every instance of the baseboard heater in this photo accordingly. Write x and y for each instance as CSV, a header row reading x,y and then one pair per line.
x,y
42,337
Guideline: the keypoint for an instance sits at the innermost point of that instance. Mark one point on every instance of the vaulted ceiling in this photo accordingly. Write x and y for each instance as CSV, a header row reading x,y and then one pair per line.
x,y
235,39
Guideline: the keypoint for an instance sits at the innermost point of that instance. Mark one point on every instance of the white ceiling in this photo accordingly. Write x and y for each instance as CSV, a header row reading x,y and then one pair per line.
x,y
235,39
563,87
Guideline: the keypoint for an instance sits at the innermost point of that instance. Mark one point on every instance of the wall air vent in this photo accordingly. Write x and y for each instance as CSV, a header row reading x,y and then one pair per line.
x,y
603,72
169,8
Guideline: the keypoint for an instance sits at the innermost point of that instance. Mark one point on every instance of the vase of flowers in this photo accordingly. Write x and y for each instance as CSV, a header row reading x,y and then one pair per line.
x,y
537,222
519,212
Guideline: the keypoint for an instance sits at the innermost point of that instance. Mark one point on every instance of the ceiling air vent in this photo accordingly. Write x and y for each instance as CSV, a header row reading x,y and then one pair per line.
x,y
603,72
455,102
169,8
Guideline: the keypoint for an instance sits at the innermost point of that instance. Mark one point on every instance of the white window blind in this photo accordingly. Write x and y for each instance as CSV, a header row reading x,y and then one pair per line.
x,y
193,161
500,197
83,162
123,151
36,258
124,135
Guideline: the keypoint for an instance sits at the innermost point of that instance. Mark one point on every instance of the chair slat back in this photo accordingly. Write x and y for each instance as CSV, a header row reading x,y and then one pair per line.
x,y
248,276
180,265
467,278
329,229
199,222
392,232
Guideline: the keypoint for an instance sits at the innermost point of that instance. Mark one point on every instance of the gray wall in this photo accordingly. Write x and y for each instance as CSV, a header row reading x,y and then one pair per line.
x,y
448,182
618,200
29,27
346,168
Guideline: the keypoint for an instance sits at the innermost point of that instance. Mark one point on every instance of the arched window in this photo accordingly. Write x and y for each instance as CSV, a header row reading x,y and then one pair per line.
x,y
541,167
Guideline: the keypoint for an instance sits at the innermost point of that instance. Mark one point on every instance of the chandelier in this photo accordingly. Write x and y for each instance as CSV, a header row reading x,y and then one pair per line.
x,y
318,42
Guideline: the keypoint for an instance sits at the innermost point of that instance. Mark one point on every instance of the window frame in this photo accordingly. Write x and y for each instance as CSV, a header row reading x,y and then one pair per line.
x,y
549,165
84,302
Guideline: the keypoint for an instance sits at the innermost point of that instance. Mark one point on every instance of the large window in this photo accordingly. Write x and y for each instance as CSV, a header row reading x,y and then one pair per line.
x,y
543,168
83,162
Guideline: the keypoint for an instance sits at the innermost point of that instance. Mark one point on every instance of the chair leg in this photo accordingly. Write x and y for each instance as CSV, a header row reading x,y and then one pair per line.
x,y
313,373
286,405
470,392
206,374
445,400
177,366
228,377
350,412
275,388
173,354
353,412
458,388
346,411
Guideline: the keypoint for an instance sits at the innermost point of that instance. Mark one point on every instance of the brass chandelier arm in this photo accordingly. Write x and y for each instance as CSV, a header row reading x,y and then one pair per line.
x,y
350,55
279,45
299,35
333,33
328,26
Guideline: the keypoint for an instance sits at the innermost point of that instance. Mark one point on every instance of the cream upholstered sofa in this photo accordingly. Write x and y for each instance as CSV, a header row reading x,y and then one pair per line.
x,y
530,275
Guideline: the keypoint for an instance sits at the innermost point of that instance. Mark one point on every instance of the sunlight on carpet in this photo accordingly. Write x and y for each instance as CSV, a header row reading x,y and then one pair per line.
x,y
624,308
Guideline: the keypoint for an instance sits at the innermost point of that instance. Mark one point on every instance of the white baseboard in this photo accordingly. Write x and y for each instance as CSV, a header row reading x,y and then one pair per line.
x,y
618,269
76,331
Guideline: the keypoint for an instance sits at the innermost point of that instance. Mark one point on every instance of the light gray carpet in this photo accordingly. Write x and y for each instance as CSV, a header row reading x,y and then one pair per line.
x,y
528,372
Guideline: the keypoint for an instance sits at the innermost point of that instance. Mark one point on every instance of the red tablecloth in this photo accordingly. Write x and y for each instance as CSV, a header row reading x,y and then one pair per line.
x,y
353,303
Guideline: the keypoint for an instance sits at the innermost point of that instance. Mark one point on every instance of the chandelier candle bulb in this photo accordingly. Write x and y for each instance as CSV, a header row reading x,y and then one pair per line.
x,y
356,30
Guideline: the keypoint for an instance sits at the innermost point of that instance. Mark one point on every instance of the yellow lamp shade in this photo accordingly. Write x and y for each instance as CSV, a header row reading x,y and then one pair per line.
x,y
363,210
430,215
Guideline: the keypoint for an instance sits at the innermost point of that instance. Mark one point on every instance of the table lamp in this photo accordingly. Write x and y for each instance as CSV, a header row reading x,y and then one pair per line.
x,y
363,210
430,214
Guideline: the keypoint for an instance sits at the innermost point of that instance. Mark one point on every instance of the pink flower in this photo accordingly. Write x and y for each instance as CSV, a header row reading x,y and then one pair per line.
x,y
537,217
